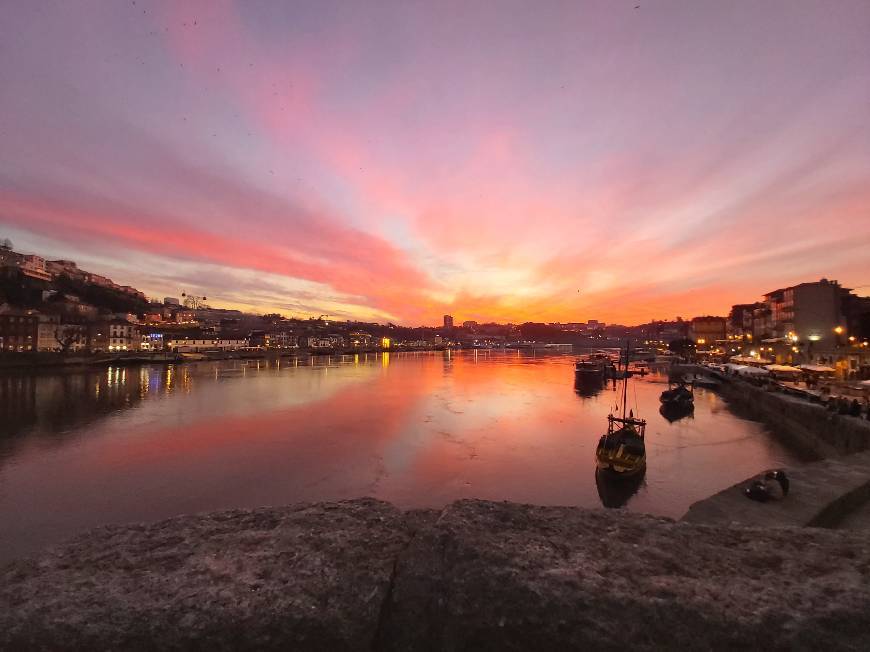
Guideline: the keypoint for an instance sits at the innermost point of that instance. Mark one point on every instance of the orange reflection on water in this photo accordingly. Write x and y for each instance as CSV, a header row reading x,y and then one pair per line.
x,y
418,429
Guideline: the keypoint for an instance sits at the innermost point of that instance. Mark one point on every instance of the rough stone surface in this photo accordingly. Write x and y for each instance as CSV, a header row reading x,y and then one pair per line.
x,y
515,577
477,575
821,494
301,577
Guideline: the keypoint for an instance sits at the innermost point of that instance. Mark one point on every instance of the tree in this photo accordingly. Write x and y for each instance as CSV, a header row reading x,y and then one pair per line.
x,y
6,244
66,336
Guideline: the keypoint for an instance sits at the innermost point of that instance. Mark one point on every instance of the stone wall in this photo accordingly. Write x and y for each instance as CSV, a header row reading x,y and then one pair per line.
x,y
362,575
806,427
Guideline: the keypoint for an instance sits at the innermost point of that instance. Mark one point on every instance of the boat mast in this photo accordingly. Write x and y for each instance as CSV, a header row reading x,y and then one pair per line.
x,y
625,379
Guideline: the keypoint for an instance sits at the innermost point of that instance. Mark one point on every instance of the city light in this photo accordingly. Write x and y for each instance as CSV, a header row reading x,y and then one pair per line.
x,y
838,330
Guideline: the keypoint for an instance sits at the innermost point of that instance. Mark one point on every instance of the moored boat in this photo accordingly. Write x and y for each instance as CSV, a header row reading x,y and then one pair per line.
x,y
589,368
681,395
621,451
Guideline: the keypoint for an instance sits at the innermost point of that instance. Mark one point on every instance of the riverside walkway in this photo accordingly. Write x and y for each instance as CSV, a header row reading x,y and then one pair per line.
x,y
822,494
832,492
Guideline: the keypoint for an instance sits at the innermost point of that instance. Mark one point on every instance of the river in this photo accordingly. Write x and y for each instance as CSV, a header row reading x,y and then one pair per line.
x,y
80,449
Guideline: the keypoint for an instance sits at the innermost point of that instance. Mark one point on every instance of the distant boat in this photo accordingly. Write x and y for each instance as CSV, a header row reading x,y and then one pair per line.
x,y
621,451
679,396
588,368
596,366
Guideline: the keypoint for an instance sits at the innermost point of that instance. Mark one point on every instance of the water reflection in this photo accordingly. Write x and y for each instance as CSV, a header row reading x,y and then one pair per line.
x,y
616,492
674,412
84,448
588,386
59,403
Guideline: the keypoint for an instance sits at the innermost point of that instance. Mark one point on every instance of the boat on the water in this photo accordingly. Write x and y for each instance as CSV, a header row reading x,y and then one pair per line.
x,y
621,451
589,369
679,396
595,366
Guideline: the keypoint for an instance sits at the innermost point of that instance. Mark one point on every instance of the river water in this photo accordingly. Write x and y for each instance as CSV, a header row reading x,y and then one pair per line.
x,y
82,449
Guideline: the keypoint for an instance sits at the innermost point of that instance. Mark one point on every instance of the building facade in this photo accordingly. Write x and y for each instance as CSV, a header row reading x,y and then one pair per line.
x,y
811,313
707,330
19,331
193,345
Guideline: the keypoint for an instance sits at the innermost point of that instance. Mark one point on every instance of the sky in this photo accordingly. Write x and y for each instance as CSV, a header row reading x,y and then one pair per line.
x,y
499,160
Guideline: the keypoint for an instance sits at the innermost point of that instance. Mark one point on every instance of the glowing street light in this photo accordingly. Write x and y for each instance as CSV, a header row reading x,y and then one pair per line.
x,y
838,330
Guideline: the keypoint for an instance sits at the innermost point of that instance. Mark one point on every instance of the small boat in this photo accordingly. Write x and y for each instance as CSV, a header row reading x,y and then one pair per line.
x,y
589,368
681,395
621,451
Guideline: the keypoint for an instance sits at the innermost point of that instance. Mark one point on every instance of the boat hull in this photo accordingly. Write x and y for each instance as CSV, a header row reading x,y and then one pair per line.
x,y
621,453
618,469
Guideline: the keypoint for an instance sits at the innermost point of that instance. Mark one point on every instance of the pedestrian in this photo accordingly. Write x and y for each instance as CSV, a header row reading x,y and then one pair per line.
x,y
844,406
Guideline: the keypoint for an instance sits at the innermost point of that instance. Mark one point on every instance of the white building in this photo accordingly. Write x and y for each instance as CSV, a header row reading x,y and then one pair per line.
x,y
123,336
188,345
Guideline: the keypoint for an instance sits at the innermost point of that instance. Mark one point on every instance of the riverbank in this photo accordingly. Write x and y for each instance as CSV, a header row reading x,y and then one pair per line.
x,y
806,427
364,575
17,362
822,494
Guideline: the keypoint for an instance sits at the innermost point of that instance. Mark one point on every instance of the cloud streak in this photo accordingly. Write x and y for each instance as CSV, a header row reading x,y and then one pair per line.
x,y
583,161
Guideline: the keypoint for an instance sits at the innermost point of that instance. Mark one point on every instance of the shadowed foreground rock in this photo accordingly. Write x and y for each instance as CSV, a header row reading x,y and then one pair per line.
x,y
477,575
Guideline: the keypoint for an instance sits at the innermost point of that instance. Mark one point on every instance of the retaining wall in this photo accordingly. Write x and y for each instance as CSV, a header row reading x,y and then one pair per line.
x,y
808,428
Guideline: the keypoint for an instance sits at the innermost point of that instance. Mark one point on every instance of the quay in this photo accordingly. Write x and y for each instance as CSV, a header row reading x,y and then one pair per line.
x,y
823,493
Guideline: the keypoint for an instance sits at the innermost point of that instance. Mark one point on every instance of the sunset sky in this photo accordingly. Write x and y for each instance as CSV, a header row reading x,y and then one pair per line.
x,y
507,161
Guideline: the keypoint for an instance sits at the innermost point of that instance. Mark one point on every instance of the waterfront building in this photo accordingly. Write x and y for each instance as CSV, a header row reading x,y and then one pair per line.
x,y
808,312
151,341
283,340
707,330
171,301
359,339
47,337
60,334
259,338
448,321
19,331
202,343
123,336
740,320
